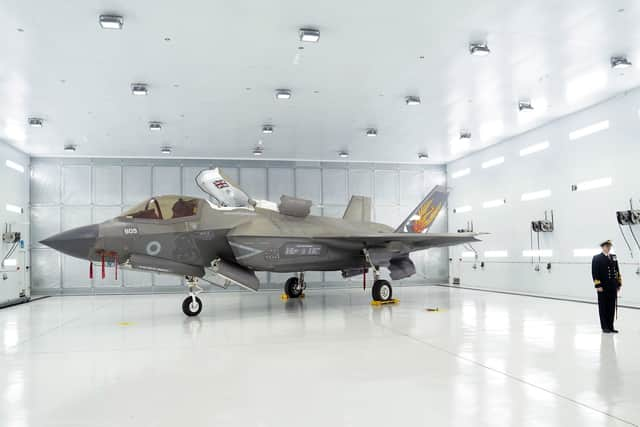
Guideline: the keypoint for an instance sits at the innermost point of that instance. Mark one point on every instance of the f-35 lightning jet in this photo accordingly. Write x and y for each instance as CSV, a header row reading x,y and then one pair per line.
x,y
227,242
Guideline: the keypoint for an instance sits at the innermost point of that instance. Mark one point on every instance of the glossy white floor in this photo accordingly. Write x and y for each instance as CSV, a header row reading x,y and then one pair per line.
x,y
331,359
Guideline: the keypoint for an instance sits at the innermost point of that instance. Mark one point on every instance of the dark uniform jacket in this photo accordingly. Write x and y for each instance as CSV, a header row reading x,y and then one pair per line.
x,y
605,271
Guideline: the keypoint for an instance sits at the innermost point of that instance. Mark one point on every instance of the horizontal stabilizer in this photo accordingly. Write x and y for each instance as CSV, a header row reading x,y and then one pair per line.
x,y
358,209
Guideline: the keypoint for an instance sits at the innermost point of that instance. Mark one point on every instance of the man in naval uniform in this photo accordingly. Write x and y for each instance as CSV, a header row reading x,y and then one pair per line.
x,y
607,280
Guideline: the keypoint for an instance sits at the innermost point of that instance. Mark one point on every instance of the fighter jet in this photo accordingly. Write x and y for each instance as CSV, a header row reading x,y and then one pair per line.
x,y
226,242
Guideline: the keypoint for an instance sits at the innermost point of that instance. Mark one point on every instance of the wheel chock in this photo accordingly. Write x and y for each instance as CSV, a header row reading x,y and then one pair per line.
x,y
285,297
379,303
432,309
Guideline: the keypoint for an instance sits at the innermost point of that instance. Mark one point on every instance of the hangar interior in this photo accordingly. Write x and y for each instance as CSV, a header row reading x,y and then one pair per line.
x,y
535,146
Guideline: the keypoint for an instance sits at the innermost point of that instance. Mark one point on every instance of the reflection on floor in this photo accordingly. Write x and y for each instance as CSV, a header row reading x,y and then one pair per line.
x,y
331,359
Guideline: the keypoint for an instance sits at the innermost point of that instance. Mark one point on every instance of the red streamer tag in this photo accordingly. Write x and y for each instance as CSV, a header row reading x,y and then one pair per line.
x,y
90,269
104,273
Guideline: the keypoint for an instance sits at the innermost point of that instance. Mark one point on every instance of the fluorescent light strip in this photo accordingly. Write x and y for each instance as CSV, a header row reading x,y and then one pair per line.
x,y
588,130
461,173
493,162
496,254
13,208
595,183
542,253
462,209
586,252
535,148
15,166
468,254
11,262
493,203
542,194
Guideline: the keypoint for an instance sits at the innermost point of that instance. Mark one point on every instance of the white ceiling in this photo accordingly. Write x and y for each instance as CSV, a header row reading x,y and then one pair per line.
x,y
76,76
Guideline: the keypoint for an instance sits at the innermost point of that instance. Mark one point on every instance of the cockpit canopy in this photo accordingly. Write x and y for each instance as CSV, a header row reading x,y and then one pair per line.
x,y
164,207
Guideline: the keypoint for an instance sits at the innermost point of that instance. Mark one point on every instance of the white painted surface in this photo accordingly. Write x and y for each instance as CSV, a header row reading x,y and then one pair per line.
x,y
74,192
14,211
327,360
554,54
583,219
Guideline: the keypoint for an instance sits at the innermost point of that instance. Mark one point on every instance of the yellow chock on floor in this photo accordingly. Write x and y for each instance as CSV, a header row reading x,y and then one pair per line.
x,y
391,301
432,310
285,297
125,323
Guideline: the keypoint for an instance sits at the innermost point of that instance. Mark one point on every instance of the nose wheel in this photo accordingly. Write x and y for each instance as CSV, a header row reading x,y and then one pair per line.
x,y
192,305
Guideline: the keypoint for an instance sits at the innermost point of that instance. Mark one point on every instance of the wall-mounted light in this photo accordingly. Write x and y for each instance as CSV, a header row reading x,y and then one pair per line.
x,y
460,173
494,203
15,166
542,194
588,130
496,254
493,162
535,148
592,184
462,209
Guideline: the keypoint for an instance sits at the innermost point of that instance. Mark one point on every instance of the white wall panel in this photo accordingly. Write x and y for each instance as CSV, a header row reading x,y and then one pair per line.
x,y
280,183
45,222
309,185
334,186
360,182
412,187
386,187
107,185
45,270
75,216
137,184
166,180
75,272
189,186
45,183
583,219
76,185
254,182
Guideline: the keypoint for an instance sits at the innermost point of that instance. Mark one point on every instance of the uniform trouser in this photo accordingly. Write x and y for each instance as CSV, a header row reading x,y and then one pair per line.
x,y
607,306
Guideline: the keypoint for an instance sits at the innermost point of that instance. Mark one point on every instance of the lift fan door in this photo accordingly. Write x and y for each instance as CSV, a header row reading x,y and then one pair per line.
x,y
212,182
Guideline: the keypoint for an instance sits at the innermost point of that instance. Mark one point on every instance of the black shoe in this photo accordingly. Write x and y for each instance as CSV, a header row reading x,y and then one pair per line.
x,y
614,331
607,331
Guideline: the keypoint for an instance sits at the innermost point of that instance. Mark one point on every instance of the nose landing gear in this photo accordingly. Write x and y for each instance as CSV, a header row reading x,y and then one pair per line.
x,y
192,305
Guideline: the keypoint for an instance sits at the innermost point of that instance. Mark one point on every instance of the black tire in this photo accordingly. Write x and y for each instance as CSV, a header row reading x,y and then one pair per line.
x,y
191,310
291,288
381,290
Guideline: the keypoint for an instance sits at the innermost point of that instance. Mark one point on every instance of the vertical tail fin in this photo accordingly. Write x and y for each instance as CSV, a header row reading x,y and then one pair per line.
x,y
358,209
421,218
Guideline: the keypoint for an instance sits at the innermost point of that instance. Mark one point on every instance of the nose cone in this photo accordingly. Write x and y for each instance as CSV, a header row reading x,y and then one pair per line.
x,y
78,242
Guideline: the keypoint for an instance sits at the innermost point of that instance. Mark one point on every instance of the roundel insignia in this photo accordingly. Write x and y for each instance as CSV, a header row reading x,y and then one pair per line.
x,y
153,248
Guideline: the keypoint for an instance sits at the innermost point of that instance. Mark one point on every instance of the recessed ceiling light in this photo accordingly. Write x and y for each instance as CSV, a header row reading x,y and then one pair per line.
x,y
309,35
412,100
139,89
267,129
372,132
620,62
525,106
423,156
70,148
479,49
283,94
111,22
155,126
258,150
343,154
35,122
165,150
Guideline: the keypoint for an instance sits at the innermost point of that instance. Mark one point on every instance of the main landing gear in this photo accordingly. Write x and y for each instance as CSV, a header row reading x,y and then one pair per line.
x,y
192,305
381,290
295,286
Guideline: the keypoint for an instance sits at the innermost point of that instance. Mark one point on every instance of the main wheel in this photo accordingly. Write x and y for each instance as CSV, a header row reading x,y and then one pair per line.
x,y
292,287
191,307
381,290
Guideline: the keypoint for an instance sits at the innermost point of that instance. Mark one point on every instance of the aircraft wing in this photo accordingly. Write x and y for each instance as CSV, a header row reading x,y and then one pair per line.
x,y
399,242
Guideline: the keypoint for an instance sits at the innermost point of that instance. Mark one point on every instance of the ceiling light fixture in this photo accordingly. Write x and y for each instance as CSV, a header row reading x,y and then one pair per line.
x,y
139,89
412,100
372,132
155,126
479,49
309,35
620,62
111,22
35,122
465,136
166,150
525,106
70,148
283,94
258,151
343,154
423,156
267,129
